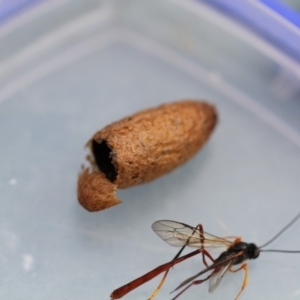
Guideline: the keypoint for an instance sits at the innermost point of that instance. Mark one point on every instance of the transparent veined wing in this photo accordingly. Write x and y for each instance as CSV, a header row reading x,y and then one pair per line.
x,y
218,274
179,234
219,268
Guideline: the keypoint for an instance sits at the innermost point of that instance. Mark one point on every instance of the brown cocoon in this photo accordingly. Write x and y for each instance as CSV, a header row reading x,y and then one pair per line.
x,y
148,144
95,191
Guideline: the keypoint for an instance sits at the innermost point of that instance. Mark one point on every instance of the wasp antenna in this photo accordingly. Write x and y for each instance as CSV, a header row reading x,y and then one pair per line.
x,y
279,233
282,251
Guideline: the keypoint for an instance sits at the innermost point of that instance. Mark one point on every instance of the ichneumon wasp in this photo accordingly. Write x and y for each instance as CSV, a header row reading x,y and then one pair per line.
x,y
233,252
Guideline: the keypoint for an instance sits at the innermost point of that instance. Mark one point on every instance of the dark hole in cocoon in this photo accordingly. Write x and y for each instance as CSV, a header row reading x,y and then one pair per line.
x,y
103,157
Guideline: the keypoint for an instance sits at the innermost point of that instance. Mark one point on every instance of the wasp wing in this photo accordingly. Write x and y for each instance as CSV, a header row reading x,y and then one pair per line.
x,y
219,268
179,234
218,274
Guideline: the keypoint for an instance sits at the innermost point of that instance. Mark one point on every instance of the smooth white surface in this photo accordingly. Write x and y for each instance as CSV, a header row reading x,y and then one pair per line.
x,y
244,182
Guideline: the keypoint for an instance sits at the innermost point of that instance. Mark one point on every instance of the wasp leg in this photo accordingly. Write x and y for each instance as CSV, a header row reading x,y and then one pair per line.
x,y
161,283
201,233
245,268
235,238
155,292
193,283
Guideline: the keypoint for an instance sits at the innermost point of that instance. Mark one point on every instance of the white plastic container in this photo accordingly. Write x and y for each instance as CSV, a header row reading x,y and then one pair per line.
x,y
68,68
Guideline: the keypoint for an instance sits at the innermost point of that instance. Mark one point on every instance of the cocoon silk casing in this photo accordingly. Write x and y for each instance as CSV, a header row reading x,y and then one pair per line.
x,y
143,147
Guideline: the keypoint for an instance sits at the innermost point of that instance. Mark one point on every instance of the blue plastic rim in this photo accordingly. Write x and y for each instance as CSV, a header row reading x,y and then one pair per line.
x,y
9,8
284,10
272,20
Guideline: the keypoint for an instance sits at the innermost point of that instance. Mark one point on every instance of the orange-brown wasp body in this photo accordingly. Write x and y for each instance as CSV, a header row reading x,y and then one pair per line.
x,y
233,252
